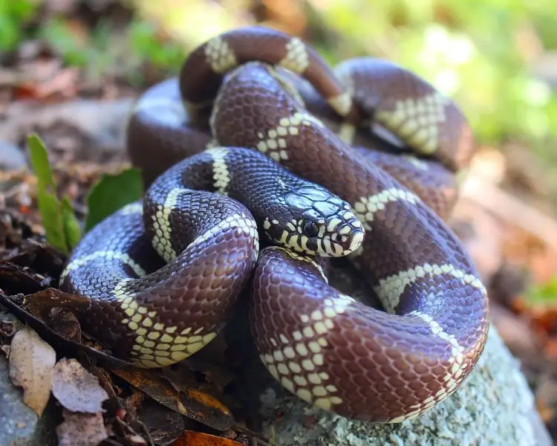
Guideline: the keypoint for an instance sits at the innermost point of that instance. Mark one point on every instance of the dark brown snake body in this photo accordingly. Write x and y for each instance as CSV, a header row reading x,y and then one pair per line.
x,y
321,345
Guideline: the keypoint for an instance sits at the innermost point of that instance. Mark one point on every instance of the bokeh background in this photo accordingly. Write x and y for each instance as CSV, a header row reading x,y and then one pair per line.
x,y
496,58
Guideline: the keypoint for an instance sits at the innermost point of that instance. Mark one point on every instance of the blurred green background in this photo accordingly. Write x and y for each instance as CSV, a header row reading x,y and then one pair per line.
x,y
494,57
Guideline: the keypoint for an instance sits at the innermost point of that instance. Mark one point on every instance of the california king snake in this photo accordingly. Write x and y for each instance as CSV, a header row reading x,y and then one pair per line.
x,y
244,100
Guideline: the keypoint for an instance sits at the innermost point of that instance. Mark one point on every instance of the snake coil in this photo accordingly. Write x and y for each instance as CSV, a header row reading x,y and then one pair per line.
x,y
360,161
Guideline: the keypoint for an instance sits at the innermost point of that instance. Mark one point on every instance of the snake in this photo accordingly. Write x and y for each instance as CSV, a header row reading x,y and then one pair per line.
x,y
260,163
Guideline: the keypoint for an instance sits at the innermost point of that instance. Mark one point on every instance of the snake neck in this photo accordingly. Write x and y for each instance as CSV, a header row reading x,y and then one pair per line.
x,y
291,212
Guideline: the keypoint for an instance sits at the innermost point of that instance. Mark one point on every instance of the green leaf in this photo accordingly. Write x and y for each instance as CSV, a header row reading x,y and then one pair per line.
x,y
544,293
57,32
14,16
72,230
39,161
111,193
49,208
59,221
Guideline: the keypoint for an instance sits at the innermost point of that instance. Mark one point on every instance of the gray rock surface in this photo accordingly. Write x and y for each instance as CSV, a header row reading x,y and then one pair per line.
x,y
494,407
20,425
102,123
11,156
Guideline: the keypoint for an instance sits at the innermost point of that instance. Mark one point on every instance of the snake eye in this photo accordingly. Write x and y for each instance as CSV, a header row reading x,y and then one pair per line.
x,y
310,228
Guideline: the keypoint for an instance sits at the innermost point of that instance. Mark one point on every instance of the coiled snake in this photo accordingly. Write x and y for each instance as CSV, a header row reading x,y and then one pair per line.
x,y
247,112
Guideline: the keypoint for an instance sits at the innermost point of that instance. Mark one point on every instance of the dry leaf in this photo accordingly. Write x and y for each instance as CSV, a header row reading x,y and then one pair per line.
x,y
31,364
191,438
54,298
80,429
76,389
16,279
164,425
13,303
194,404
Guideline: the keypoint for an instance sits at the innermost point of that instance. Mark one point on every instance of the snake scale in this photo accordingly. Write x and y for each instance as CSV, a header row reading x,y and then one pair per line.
x,y
259,140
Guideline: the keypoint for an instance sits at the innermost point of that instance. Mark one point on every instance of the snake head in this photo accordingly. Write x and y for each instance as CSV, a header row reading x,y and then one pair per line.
x,y
316,222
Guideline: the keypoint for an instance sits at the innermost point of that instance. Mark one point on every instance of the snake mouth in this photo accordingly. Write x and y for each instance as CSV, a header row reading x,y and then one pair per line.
x,y
330,248
338,244
341,238
355,242
330,245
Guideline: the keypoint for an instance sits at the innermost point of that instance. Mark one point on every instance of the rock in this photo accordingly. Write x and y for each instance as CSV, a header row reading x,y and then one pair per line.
x,y
19,424
101,123
11,157
494,407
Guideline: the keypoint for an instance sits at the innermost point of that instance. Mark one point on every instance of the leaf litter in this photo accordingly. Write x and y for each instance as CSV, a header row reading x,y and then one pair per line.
x,y
31,367
182,402
79,429
76,389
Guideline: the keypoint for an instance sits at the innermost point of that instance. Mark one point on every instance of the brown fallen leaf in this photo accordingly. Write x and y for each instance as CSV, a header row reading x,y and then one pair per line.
x,y
194,404
39,257
58,310
164,425
80,429
53,82
31,365
191,438
65,323
76,389
197,399
14,304
14,279
55,298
